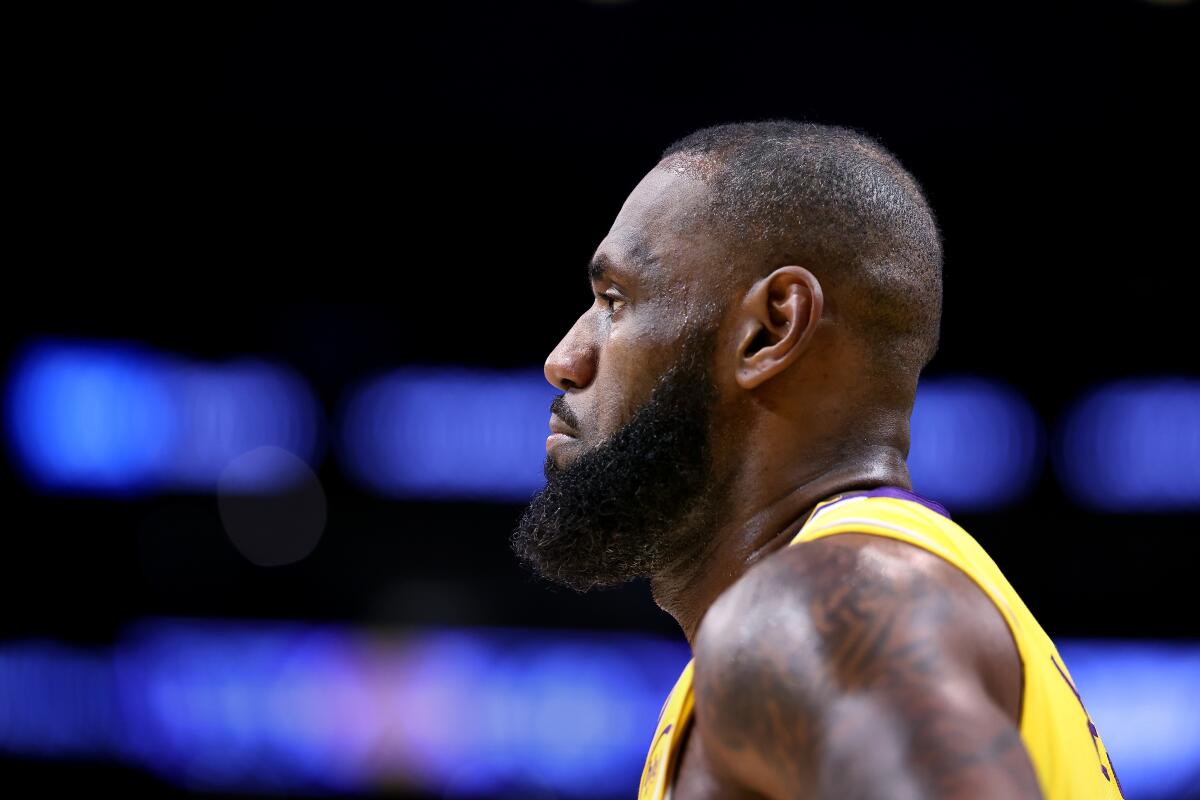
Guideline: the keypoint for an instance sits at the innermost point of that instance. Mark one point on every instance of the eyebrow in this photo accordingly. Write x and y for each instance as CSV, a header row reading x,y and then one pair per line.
x,y
601,265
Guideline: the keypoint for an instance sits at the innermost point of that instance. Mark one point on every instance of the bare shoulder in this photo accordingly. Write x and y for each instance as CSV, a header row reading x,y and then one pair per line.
x,y
854,641
861,589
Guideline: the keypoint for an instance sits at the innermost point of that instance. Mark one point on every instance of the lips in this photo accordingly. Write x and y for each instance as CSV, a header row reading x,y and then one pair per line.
x,y
558,426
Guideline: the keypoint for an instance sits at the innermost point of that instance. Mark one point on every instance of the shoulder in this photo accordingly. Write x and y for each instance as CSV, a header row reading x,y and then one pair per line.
x,y
826,636
841,588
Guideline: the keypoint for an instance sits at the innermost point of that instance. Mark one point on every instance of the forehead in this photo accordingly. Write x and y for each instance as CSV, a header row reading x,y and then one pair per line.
x,y
652,237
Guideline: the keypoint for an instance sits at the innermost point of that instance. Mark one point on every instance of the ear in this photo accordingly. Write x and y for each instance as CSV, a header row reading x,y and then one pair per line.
x,y
779,318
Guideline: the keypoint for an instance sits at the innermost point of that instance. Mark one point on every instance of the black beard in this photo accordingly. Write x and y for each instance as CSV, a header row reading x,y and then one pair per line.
x,y
640,501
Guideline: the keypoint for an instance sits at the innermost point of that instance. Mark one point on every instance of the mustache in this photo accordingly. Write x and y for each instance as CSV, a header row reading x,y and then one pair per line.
x,y
563,411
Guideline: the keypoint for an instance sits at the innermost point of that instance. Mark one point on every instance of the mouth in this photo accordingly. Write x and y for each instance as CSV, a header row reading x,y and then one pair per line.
x,y
560,434
560,428
556,439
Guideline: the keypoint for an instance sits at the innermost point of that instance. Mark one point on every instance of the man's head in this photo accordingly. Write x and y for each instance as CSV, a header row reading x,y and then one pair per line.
x,y
773,276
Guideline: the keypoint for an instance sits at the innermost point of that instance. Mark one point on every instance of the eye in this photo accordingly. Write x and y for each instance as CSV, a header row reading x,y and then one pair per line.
x,y
610,300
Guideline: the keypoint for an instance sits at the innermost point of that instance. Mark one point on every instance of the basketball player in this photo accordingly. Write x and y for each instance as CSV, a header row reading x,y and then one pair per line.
x,y
734,427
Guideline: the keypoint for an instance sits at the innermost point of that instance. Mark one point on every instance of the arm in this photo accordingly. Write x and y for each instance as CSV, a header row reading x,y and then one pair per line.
x,y
856,666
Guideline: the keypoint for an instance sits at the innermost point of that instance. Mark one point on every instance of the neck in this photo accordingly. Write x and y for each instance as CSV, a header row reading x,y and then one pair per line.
x,y
759,519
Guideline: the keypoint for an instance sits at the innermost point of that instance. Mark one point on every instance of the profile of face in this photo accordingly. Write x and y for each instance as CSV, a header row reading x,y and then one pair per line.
x,y
631,487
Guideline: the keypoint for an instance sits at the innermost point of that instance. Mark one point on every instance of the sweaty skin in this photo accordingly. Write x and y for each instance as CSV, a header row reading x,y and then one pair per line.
x,y
848,667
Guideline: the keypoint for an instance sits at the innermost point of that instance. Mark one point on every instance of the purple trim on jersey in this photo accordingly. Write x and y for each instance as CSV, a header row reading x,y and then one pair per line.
x,y
902,494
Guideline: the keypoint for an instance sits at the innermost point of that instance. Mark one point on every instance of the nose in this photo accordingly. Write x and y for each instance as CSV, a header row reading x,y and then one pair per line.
x,y
572,364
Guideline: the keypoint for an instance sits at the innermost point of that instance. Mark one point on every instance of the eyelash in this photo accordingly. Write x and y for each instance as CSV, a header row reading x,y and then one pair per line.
x,y
611,301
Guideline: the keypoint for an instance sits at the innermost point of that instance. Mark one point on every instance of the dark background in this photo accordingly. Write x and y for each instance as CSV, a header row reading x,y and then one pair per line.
x,y
348,188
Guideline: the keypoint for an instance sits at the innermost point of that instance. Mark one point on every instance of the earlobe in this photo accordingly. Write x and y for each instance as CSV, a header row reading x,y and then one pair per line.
x,y
780,315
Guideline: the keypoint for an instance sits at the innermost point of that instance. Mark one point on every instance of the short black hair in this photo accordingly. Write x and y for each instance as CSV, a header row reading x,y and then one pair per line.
x,y
836,201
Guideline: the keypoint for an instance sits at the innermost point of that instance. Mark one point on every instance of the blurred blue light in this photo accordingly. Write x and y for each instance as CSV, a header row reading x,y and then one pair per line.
x,y
120,419
1145,701
57,701
448,432
98,417
296,708
1134,445
275,707
300,709
562,713
976,444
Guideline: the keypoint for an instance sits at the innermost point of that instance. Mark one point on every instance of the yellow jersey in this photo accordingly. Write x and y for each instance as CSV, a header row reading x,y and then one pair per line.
x,y
1068,756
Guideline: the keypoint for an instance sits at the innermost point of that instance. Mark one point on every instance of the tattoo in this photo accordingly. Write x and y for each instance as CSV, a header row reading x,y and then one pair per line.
x,y
831,668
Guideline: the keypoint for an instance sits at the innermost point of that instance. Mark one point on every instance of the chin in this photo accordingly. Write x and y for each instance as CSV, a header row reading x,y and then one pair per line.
x,y
565,453
558,462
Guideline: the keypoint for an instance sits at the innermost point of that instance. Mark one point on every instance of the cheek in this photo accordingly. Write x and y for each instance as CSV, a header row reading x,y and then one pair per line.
x,y
611,398
630,348
624,381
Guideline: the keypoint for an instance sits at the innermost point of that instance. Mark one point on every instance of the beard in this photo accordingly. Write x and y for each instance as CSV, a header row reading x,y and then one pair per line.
x,y
641,501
